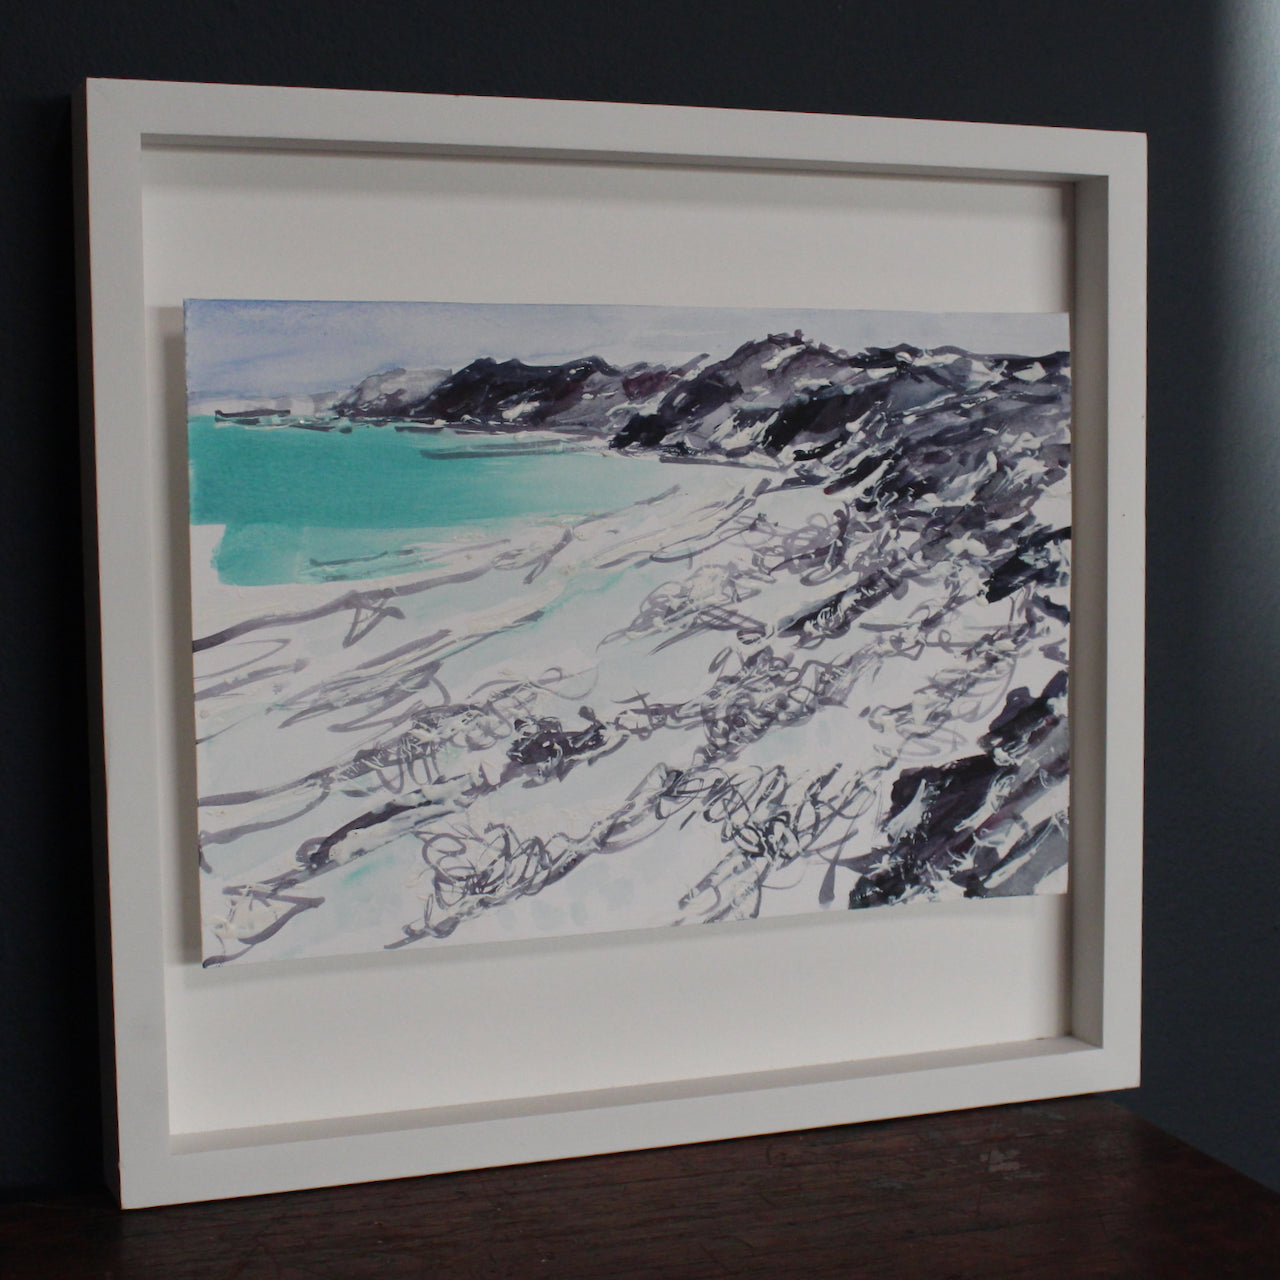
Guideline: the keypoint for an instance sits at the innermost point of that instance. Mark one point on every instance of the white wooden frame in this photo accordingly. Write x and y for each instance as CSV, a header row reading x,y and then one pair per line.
x,y
143,630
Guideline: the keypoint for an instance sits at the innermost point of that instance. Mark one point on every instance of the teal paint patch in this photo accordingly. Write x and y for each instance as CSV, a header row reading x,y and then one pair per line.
x,y
300,505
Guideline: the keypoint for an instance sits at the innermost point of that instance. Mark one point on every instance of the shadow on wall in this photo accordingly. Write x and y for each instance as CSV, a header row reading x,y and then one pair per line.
x,y
1212,998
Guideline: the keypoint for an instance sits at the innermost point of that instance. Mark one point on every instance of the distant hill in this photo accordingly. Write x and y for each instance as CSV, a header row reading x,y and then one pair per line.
x,y
886,424
581,395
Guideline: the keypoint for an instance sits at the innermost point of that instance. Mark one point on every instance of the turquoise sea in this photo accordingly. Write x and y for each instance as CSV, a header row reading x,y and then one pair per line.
x,y
303,505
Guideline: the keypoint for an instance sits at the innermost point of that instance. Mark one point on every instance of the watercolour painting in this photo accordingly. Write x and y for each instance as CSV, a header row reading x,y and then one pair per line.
x,y
514,621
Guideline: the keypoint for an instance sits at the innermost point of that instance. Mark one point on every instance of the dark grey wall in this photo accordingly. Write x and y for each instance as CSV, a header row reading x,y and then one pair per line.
x,y
1213,939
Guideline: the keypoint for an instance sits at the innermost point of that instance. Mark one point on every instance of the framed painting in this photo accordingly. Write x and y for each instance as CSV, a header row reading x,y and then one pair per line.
x,y
526,531
674,616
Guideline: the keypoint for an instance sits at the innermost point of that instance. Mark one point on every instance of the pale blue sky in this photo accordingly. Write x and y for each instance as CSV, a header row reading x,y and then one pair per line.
x,y
239,347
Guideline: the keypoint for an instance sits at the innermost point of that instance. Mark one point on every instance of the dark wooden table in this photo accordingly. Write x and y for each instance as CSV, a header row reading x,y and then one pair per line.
x,y
1078,1187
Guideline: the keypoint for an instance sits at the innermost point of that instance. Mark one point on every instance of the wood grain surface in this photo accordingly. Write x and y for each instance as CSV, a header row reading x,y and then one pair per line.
x,y
1078,1187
